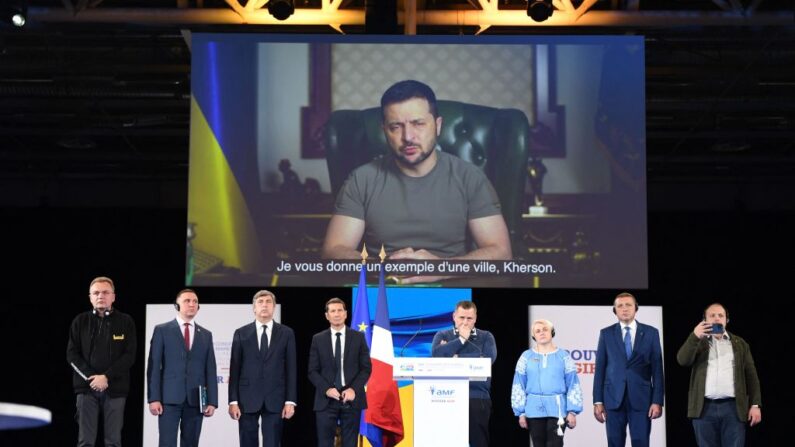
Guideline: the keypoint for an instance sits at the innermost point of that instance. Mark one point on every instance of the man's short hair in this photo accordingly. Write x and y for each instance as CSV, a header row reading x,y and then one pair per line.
x,y
263,292
103,279
466,305
726,311
408,89
626,295
179,294
335,301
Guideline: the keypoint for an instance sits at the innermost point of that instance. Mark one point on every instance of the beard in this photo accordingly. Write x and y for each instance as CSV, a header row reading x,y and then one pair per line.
x,y
405,161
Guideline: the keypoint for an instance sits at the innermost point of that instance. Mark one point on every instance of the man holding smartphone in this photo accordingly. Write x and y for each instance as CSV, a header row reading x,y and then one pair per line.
x,y
724,387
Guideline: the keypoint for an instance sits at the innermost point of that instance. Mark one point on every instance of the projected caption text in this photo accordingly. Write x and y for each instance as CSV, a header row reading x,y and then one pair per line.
x,y
418,268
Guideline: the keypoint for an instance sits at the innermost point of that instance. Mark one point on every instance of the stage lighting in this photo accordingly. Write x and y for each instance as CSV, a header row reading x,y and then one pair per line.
x,y
13,15
281,9
539,10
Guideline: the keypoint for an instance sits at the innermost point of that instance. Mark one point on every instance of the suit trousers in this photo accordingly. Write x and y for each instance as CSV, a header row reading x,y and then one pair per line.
x,y
639,425
327,419
89,407
272,424
185,417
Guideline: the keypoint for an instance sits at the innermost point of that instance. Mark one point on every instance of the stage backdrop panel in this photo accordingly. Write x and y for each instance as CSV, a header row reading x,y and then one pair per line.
x,y
221,320
577,331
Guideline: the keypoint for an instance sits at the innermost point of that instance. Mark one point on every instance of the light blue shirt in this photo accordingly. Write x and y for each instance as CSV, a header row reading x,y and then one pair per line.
x,y
546,385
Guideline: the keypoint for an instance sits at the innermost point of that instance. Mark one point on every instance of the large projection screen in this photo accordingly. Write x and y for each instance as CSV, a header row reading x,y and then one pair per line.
x,y
568,166
577,331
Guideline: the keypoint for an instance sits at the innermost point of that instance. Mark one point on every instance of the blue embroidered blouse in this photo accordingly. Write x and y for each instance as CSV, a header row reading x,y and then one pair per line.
x,y
546,385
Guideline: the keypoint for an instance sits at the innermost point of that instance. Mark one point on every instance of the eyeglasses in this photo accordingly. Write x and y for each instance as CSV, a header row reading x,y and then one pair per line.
x,y
97,293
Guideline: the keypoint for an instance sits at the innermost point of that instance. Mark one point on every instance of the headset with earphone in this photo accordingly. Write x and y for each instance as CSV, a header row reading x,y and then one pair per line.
x,y
105,312
100,322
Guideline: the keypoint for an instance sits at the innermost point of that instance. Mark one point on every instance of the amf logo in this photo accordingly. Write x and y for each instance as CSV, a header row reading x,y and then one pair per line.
x,y
441,392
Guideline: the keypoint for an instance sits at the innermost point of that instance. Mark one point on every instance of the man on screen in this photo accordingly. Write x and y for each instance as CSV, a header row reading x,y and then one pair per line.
x,y
466,341
101,351
419,202
181,369
262,375
724,387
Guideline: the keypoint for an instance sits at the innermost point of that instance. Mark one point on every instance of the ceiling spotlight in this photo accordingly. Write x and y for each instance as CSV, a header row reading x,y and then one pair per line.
x,y
539,10
13,15
281,9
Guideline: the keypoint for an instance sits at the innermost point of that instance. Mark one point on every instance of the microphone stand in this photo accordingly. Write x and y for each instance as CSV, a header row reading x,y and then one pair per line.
x,y
417,332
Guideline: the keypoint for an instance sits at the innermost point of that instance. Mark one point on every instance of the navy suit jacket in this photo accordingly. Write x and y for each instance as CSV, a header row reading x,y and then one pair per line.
x,y
256,380
355,364
174,373
640,376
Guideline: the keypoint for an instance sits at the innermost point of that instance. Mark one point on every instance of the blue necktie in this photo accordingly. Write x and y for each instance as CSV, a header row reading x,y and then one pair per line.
x,y
627,342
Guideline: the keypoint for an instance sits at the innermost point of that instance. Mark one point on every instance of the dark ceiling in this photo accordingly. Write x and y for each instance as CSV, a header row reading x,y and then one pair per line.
x,y
93,105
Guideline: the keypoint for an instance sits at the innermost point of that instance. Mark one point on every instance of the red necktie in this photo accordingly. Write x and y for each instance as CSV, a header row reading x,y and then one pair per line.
x,y
187,336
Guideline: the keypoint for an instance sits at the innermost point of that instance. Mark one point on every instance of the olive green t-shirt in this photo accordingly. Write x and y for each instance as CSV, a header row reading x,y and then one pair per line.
x,y
429,212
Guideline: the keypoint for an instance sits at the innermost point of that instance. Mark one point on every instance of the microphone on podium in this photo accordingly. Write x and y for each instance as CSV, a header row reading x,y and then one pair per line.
x,y
405,345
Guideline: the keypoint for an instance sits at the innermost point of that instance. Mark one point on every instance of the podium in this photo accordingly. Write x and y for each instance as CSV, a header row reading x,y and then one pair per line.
x,y
441,396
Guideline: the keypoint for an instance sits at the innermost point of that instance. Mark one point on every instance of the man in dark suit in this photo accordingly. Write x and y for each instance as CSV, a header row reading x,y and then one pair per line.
x,y
262,375
339,366
181,359
628,385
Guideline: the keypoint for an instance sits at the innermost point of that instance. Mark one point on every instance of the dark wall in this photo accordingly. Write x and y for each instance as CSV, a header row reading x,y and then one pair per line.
x,y
50,255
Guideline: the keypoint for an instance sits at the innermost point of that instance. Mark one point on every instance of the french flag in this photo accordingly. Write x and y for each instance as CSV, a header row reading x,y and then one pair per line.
x,y
383,399
361,322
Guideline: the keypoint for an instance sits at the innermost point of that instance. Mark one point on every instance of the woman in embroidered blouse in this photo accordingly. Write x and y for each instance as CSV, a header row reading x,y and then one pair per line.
x,y
546,393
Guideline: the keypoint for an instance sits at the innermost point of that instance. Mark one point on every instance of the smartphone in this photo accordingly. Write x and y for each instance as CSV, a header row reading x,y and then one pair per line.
x,y
717,328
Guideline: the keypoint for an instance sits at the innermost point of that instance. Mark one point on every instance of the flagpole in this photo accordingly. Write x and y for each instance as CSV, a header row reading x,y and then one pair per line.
x,y
359,436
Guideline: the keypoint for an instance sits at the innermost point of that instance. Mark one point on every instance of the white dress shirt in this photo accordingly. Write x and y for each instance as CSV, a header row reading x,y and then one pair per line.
x,y
720,369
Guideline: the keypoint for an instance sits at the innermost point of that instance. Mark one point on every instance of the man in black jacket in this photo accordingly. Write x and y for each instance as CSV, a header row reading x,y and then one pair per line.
x,y
101,351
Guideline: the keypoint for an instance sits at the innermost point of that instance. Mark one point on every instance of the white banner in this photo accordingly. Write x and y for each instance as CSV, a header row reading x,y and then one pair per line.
x,y
577,331
221,320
